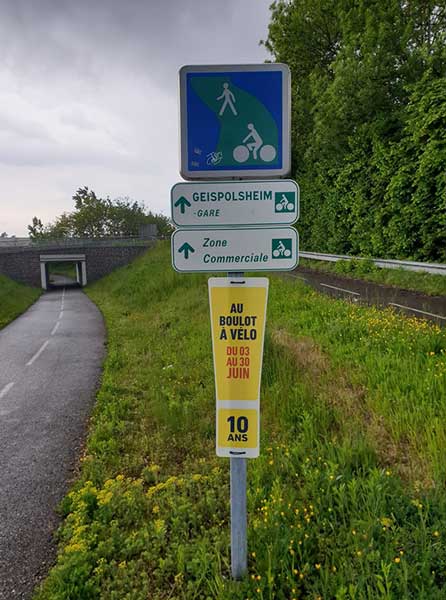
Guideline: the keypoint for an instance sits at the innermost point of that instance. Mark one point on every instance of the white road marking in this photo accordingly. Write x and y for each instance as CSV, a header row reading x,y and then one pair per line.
x,y
55,328
423,312
333,287
297,277
38,353
6,389
60,315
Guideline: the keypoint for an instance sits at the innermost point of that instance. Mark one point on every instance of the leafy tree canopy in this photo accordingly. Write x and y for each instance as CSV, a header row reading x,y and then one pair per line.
x,y
95,217
368,122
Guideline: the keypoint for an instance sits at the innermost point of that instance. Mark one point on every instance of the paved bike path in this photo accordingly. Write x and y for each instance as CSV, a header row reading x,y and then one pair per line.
x,y
50,364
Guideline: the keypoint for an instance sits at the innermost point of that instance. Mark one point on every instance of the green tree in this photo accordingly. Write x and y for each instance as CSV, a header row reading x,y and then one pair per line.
x,y
416,194
95,217
355,67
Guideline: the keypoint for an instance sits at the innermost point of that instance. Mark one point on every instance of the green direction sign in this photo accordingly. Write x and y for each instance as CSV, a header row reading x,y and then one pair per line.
x,y
223,203
241,249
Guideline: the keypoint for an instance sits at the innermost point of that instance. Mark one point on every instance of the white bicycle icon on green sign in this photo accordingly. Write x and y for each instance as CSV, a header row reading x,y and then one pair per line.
x,y
281,250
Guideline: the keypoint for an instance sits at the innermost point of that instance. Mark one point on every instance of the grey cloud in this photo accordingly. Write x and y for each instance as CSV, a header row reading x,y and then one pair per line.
x,y
90,39
88,93
77,118
10,124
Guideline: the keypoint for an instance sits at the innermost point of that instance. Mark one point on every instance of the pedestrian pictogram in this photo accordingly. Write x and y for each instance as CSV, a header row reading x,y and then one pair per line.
x,y
229,100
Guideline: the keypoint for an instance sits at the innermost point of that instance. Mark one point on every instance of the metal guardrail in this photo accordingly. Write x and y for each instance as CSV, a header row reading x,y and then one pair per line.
x,y
74,243
408,265
14,242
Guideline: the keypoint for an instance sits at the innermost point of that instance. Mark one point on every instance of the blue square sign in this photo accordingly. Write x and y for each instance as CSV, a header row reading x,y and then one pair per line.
x,y
235,121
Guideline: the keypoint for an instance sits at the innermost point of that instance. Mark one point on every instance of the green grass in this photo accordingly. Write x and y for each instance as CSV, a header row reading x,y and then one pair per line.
x,y
434,285
14,299
347,499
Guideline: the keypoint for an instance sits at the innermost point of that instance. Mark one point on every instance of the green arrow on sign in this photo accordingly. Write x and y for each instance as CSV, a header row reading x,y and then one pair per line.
x,y
182,202
186,248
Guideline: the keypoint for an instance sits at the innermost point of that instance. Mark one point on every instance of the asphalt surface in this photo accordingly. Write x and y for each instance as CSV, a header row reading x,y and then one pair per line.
x,y
61,281
409,303
50,364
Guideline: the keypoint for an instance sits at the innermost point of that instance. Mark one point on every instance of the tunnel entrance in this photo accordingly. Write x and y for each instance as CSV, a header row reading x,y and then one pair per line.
x,y
62,274
63,270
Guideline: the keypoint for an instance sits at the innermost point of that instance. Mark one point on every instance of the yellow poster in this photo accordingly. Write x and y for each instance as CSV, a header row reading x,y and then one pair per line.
x,y
238,313
237,428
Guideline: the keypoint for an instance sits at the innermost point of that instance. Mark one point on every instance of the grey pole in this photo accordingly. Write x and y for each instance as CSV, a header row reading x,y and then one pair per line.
x,y
239,543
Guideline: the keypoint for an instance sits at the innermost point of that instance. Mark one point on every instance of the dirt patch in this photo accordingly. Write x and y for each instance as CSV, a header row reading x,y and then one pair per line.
x,y
304,350
351,402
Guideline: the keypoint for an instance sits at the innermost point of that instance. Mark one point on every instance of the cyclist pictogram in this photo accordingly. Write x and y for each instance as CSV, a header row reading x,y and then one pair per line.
x,y
284,202
281,248
254,143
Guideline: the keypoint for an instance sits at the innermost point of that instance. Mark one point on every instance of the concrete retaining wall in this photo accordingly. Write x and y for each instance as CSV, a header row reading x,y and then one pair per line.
x,y
24,265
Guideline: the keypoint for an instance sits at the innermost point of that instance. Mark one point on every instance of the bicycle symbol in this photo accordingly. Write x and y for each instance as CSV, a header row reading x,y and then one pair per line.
x,y
281,249
283,204
242,152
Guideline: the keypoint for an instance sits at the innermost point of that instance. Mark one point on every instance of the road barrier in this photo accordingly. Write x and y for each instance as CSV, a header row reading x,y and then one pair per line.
x,y
408,265
26,245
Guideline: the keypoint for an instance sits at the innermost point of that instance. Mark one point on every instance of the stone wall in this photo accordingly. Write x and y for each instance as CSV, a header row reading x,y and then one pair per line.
x,y
103,260
23,265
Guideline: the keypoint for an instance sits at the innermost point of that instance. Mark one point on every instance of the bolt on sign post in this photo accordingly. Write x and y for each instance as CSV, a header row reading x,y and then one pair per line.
x,y
235,125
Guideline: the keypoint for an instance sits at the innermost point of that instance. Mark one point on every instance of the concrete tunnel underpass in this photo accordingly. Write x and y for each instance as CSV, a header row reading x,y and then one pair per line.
x,y
51,263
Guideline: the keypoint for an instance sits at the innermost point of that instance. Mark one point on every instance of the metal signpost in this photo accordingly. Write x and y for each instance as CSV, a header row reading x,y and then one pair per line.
x,y
235,124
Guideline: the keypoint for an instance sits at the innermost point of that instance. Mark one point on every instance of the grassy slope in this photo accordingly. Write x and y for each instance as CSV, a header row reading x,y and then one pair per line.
x,y
434,285
347,499
14,299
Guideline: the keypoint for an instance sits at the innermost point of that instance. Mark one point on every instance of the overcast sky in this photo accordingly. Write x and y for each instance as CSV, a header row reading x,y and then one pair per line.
x,y
88,94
